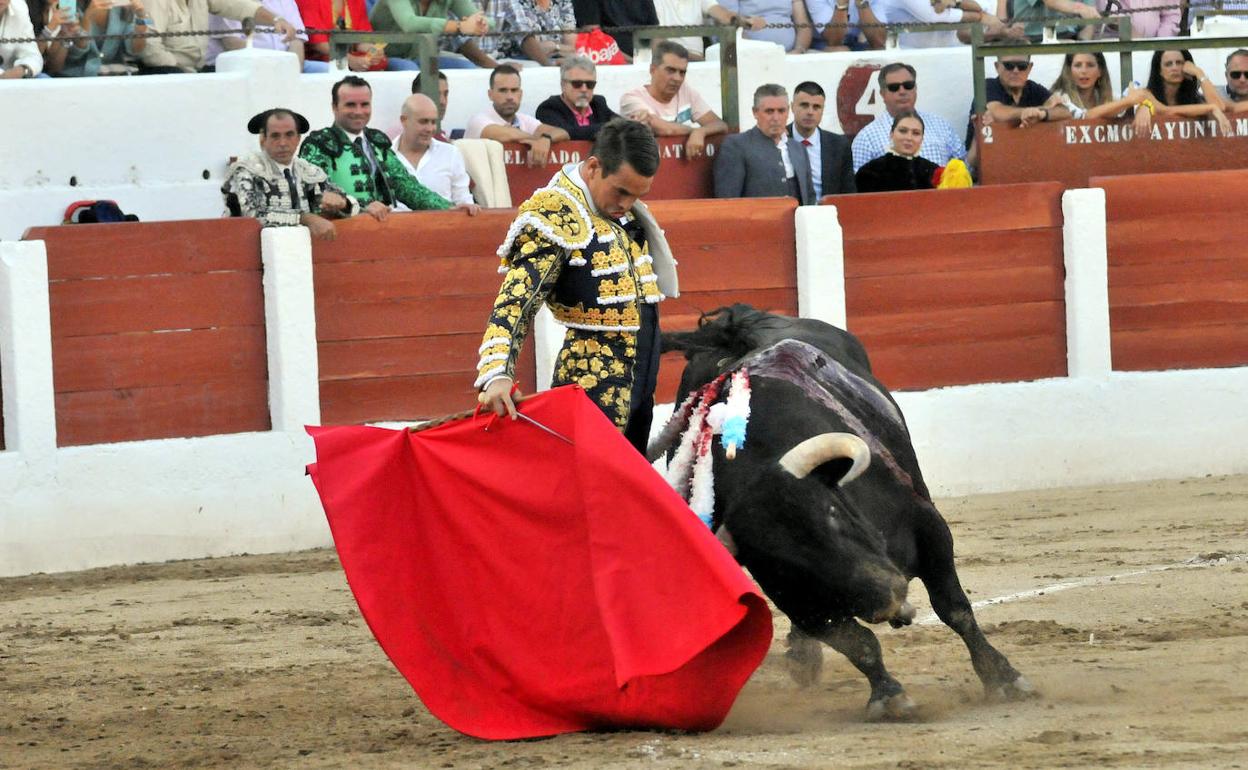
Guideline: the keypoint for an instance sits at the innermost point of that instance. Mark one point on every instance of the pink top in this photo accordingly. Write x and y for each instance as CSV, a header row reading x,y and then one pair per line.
x,y
1150,23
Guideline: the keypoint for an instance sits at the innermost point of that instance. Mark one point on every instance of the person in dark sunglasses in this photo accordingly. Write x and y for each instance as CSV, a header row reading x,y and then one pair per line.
x,y
1013,97
1235,91
576,109
899,90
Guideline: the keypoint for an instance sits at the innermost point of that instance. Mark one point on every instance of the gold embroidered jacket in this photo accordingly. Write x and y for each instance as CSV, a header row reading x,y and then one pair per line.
x,y
591,274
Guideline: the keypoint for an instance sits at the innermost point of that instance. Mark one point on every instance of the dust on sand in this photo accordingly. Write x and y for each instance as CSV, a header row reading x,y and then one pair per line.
x,y
264,661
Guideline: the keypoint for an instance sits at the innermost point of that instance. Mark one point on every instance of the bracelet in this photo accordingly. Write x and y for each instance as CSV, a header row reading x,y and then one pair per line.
x,y
50,33
1045,110
1148,103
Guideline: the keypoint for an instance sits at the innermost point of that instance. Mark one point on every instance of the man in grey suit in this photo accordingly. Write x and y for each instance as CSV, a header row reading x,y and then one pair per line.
x,y
764,161
831,163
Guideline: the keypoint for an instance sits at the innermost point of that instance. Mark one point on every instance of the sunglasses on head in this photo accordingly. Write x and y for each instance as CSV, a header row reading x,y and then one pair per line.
x,y
895,87
1016,66
1237,74
590,84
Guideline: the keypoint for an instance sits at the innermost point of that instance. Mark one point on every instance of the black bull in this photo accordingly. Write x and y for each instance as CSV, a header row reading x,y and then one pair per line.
x,y
825,504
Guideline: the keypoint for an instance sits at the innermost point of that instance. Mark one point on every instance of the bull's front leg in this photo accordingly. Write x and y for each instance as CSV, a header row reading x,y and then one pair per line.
x,y
858,643
1000,679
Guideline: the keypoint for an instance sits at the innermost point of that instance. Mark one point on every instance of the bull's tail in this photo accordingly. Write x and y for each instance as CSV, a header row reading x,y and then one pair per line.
x,y
731,331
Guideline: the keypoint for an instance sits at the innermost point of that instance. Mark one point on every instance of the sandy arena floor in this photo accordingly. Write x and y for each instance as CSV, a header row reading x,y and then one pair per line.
x,y
1129,611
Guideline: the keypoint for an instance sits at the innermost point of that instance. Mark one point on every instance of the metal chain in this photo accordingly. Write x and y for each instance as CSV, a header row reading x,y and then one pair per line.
x,y
526,33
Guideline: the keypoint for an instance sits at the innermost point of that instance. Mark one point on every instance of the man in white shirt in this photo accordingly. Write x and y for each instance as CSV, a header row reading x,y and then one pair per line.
x,y
186,53
17,60
669,105
674,13
505,123
437,165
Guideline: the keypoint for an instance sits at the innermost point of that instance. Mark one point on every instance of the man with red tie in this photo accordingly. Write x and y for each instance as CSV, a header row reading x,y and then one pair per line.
x,y
831,165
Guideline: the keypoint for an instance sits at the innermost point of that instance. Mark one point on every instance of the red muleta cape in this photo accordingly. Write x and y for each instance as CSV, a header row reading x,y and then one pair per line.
x,y
525,586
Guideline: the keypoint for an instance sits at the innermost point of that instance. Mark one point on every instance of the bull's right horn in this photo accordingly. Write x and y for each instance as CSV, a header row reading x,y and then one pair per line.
x,y
817,450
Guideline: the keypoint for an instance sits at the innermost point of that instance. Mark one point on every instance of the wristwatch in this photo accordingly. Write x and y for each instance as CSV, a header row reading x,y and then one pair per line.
x,y
844,7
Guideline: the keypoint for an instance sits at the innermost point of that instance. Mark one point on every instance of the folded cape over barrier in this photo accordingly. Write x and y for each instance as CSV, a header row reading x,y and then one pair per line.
x,y
526,586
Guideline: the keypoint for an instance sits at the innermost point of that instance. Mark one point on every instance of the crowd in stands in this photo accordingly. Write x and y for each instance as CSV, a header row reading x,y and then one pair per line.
x,y
77,38
350,168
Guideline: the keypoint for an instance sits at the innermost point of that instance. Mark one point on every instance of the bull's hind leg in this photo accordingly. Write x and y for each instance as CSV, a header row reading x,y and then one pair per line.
x,y
858,643
1000,679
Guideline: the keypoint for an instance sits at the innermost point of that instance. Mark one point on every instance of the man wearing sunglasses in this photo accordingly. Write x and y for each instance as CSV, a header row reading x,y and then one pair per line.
x,y
1236,88
575,108
899,90
1014,98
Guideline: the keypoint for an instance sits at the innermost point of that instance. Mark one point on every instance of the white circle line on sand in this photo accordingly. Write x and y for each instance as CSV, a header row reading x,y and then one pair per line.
x,y
929,618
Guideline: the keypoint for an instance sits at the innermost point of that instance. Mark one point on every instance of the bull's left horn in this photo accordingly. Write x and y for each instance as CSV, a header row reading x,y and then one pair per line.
x,y
817,450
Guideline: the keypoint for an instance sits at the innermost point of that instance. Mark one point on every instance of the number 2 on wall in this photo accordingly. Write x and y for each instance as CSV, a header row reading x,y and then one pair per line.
x,y
986,133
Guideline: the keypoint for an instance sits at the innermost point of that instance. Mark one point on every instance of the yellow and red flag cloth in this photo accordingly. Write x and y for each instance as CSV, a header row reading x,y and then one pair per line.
x,y
528,586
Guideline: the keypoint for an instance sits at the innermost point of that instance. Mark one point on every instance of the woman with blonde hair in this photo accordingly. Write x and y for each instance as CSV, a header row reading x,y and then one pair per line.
x,y
1083,87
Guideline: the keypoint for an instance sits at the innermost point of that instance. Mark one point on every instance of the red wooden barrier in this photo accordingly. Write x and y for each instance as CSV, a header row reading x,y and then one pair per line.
x,y
1074,151
157,330
737,250
954,287
679,177
400,309
1178,279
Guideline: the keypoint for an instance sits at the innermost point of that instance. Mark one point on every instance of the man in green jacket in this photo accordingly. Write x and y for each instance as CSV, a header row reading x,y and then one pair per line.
x,y
458,23
360,160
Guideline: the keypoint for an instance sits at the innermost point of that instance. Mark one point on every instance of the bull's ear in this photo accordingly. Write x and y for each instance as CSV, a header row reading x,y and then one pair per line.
x,y
839,457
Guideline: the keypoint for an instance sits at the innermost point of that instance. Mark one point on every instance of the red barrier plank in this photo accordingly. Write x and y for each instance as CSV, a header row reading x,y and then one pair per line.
x,y
969,324
142,360
1193,347
151,303
401,318
912,255
939,291
149,248
944,212
397,399
399,356
1191,269
423,233
170,411
962,363
406,278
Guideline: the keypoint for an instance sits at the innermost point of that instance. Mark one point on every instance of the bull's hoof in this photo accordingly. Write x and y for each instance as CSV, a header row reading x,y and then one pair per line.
x,y
892,708
1019,689
804,667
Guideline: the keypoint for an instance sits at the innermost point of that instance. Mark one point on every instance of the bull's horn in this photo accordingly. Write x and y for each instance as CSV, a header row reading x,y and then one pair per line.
x,y
817,450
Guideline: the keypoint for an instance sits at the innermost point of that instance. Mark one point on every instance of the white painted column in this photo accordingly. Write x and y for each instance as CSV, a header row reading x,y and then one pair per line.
x,y
820,265
547,339
290,328
1087,283
26,351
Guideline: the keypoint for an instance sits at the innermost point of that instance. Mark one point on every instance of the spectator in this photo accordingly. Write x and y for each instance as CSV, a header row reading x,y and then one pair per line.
x,y
1146,22
616,13
943,12
286,9
900,167
280,189
186,53
505,123
459,22
1014,98
1174,88
349,15
52,26
1083,88
669,105
360,160
764,162
675,13
576,109
550,16
103,50
17,60
1035,12
899,91
1235,92
846,25
831,167
792,39
437,165
444,93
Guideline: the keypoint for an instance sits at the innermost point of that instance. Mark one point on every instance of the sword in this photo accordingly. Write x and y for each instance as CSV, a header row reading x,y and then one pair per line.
x,y
531,421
